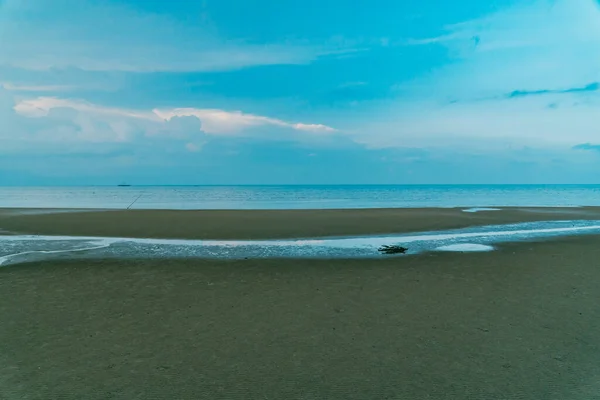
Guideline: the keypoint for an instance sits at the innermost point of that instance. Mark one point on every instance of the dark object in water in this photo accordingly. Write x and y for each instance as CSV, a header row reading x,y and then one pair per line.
x,y
123,185
393,249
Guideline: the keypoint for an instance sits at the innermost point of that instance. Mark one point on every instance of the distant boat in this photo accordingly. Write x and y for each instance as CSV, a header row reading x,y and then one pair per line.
x,y
123,184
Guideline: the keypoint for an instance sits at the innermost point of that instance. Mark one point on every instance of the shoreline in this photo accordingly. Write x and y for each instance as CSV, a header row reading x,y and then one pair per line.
x,y
499,247
277,234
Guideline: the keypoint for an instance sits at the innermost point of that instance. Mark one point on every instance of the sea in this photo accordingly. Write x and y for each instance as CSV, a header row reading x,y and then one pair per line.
x,y
299,197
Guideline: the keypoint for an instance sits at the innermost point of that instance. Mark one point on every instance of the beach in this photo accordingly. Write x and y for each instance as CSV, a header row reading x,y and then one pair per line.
x,y
518,322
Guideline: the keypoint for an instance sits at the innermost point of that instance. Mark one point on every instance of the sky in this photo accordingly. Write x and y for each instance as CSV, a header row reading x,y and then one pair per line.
x,y
174,92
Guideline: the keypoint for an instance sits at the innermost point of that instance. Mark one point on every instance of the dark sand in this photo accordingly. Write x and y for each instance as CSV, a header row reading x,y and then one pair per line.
x,y
268,224
519,323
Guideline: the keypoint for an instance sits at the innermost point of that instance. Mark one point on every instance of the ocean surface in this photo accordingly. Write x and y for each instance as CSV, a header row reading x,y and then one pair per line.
x,y
299,197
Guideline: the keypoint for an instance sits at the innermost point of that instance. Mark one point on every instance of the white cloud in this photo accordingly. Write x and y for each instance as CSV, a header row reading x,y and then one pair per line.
x,y
49,125
223,122
219,121
123,122
41,106
313,128
98,36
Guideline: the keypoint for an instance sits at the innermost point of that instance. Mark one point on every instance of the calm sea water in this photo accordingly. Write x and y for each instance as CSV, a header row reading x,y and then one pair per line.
x,y
298,197
22,248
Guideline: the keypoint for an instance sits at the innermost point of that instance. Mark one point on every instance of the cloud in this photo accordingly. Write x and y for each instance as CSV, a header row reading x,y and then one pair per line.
x,y
311,127
352,84
491,126
49,125
592,87
523,77
223,122
213,120
436,40
192,147
533,46
243,161
41,106
530,24
57,81
61,141
587,146
37,88
100,36
92,117
493,95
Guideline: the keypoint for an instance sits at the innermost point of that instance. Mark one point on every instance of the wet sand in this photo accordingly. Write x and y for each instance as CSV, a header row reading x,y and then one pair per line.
x,y
519,323
268,224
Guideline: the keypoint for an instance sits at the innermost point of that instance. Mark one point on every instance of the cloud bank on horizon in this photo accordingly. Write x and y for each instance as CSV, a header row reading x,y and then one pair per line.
x,y
225,92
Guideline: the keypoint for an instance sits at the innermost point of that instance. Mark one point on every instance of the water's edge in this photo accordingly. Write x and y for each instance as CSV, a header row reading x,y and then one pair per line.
x,y
16,249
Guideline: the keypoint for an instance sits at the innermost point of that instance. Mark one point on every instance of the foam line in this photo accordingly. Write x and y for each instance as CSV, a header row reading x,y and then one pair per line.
x,y
465,247
7,258
357,246
344,242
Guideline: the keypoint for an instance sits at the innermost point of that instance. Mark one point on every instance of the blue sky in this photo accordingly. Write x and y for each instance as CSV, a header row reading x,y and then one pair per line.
x,y
327,91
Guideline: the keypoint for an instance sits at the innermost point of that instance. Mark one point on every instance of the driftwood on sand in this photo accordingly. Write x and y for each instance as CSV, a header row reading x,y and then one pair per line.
x,y
393,249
